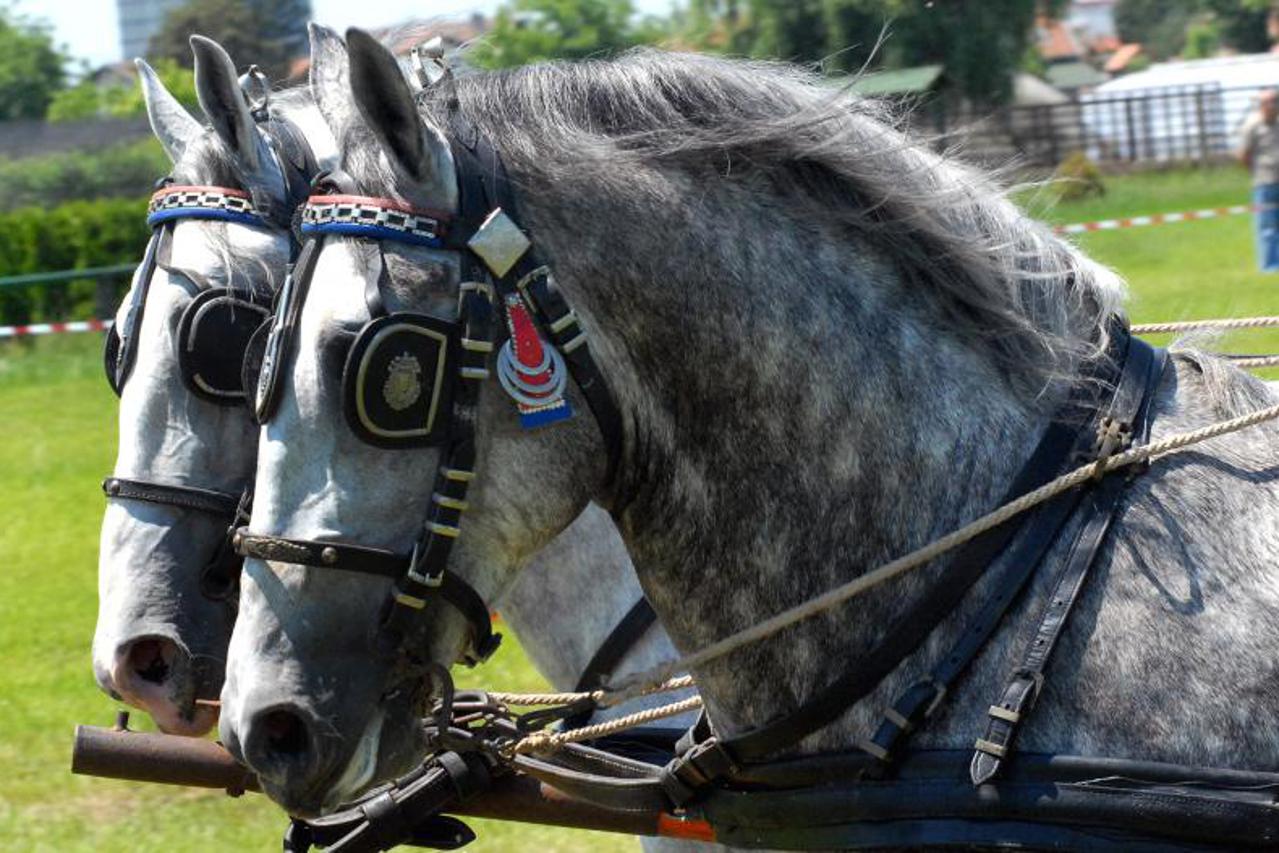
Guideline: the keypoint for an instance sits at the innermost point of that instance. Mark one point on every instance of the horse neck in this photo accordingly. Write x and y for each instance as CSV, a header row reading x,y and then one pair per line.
x,y
586,572
799,415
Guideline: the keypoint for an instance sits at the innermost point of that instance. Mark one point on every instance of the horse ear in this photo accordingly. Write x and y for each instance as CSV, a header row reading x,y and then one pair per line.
x,y
383,98
218,88
330,78
170,122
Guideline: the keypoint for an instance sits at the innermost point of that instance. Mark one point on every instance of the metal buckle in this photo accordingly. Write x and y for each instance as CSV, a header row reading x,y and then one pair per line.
x,y
433,581
939,691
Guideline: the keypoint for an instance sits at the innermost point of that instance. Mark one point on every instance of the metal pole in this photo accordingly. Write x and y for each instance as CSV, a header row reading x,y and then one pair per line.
x,y
170,760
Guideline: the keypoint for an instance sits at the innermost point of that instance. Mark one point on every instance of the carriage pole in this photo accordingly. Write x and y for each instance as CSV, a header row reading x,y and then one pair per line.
x,y
118,753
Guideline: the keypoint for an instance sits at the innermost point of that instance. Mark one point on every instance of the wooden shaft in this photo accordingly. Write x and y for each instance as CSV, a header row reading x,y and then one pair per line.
x,y
167,759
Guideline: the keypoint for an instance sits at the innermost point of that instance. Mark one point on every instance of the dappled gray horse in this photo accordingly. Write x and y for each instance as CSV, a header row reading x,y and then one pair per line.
x,y
161,638
828,346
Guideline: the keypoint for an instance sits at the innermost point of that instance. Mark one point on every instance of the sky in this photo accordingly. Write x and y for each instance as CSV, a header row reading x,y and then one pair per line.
x,y
89,31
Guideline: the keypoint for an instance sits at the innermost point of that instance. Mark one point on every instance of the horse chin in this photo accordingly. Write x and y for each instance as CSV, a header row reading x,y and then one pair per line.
x,y
391,745
198,723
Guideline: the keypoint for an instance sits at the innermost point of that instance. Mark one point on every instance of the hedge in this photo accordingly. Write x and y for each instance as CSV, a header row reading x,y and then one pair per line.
x,y
116,171
69,236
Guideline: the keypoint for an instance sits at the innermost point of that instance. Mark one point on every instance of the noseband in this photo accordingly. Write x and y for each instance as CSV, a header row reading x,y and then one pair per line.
x,y
413,380
215,330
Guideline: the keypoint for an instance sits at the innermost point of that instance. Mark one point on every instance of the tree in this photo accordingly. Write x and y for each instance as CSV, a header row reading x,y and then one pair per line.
x,y
1162,26
982,43
31,67
89,100
527,31
268,33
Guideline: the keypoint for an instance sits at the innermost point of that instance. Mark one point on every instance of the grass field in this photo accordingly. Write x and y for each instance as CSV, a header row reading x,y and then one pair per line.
x,y
57,418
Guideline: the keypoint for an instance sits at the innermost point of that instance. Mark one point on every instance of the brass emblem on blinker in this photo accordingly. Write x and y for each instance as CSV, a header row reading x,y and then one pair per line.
x,y
402,387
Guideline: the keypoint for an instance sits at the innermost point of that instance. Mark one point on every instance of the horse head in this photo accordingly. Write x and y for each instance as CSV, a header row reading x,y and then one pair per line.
x,y
323,694
167,574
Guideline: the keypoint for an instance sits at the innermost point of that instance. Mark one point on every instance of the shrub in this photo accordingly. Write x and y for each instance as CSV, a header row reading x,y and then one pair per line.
x,y
120,171
1077,177
73,235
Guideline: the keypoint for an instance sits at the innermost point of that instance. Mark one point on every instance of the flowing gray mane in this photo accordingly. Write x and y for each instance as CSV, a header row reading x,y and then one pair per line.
x,y
997,276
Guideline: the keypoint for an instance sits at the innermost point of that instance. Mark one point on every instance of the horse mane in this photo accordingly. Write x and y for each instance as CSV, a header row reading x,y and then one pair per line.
x,y
999,278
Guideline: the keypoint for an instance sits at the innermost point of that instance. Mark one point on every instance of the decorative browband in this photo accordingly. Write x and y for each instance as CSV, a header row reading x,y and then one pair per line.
x,y
193,202
374,218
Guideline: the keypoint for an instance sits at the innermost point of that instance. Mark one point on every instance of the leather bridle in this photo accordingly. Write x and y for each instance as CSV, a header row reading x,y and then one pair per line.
x,y
169,205
499,270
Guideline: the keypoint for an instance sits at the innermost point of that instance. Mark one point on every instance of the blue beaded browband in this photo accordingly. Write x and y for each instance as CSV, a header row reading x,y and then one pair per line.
x,y
202,202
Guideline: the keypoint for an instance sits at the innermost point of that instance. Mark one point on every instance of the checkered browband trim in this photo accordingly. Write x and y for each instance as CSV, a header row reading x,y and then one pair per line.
x,y
187,202
376,218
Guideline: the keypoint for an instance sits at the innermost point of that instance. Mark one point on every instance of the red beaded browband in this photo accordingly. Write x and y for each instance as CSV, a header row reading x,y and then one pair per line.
x,y
375,218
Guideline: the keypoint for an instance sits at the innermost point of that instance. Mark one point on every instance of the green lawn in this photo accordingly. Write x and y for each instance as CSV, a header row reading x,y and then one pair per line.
x,y
59,421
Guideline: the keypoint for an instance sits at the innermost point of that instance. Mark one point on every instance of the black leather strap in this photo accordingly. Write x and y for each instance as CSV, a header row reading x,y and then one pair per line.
x,y
920,618
371,561
625,634
1129,411
187,497
921,699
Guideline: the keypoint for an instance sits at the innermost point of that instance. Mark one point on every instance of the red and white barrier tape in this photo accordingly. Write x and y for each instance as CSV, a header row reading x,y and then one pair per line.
x,y
1155,219
54,328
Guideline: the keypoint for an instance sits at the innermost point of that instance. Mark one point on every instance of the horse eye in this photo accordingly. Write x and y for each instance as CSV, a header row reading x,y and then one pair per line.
x,y
334,345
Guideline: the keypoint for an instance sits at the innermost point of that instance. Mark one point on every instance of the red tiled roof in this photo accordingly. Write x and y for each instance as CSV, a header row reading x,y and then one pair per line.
x,y
1056,42
1122,57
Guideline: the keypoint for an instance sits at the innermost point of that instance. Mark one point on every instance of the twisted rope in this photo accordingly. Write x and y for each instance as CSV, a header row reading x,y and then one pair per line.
x,y
1254,361
1196,325
549,741
936,548
600,697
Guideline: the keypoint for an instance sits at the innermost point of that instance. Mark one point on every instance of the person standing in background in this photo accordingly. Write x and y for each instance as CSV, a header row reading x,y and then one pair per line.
x,y
1259,153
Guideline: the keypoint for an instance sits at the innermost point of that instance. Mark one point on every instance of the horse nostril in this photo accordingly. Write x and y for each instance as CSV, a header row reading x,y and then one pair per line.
x,y
151,659
285,733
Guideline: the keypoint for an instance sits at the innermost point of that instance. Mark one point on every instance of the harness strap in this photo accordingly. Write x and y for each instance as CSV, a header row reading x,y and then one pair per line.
x,y
1128,414
187,497
370,561
625,634
920,619
921,699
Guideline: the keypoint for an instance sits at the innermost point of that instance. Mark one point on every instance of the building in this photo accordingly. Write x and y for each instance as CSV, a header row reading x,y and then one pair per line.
x,y
139,20
1092,18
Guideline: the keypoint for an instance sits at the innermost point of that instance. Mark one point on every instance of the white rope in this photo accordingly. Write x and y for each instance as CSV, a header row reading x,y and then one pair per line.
x,y
599,696
1197,325
547,741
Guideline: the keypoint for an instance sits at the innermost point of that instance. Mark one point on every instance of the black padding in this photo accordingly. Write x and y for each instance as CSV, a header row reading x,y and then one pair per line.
x,y
397,387
213,336
111,360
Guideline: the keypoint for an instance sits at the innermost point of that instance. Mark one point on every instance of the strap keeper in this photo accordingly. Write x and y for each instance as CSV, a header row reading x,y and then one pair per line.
x,y
472,345
893,716
450,503
704,764
409,600
990,748
480,373
459,475
443,529
563,323
870,747
573,344
1001,713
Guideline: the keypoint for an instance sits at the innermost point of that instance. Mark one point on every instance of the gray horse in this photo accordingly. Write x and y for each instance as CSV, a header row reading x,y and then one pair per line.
x,y
160,642
829,346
